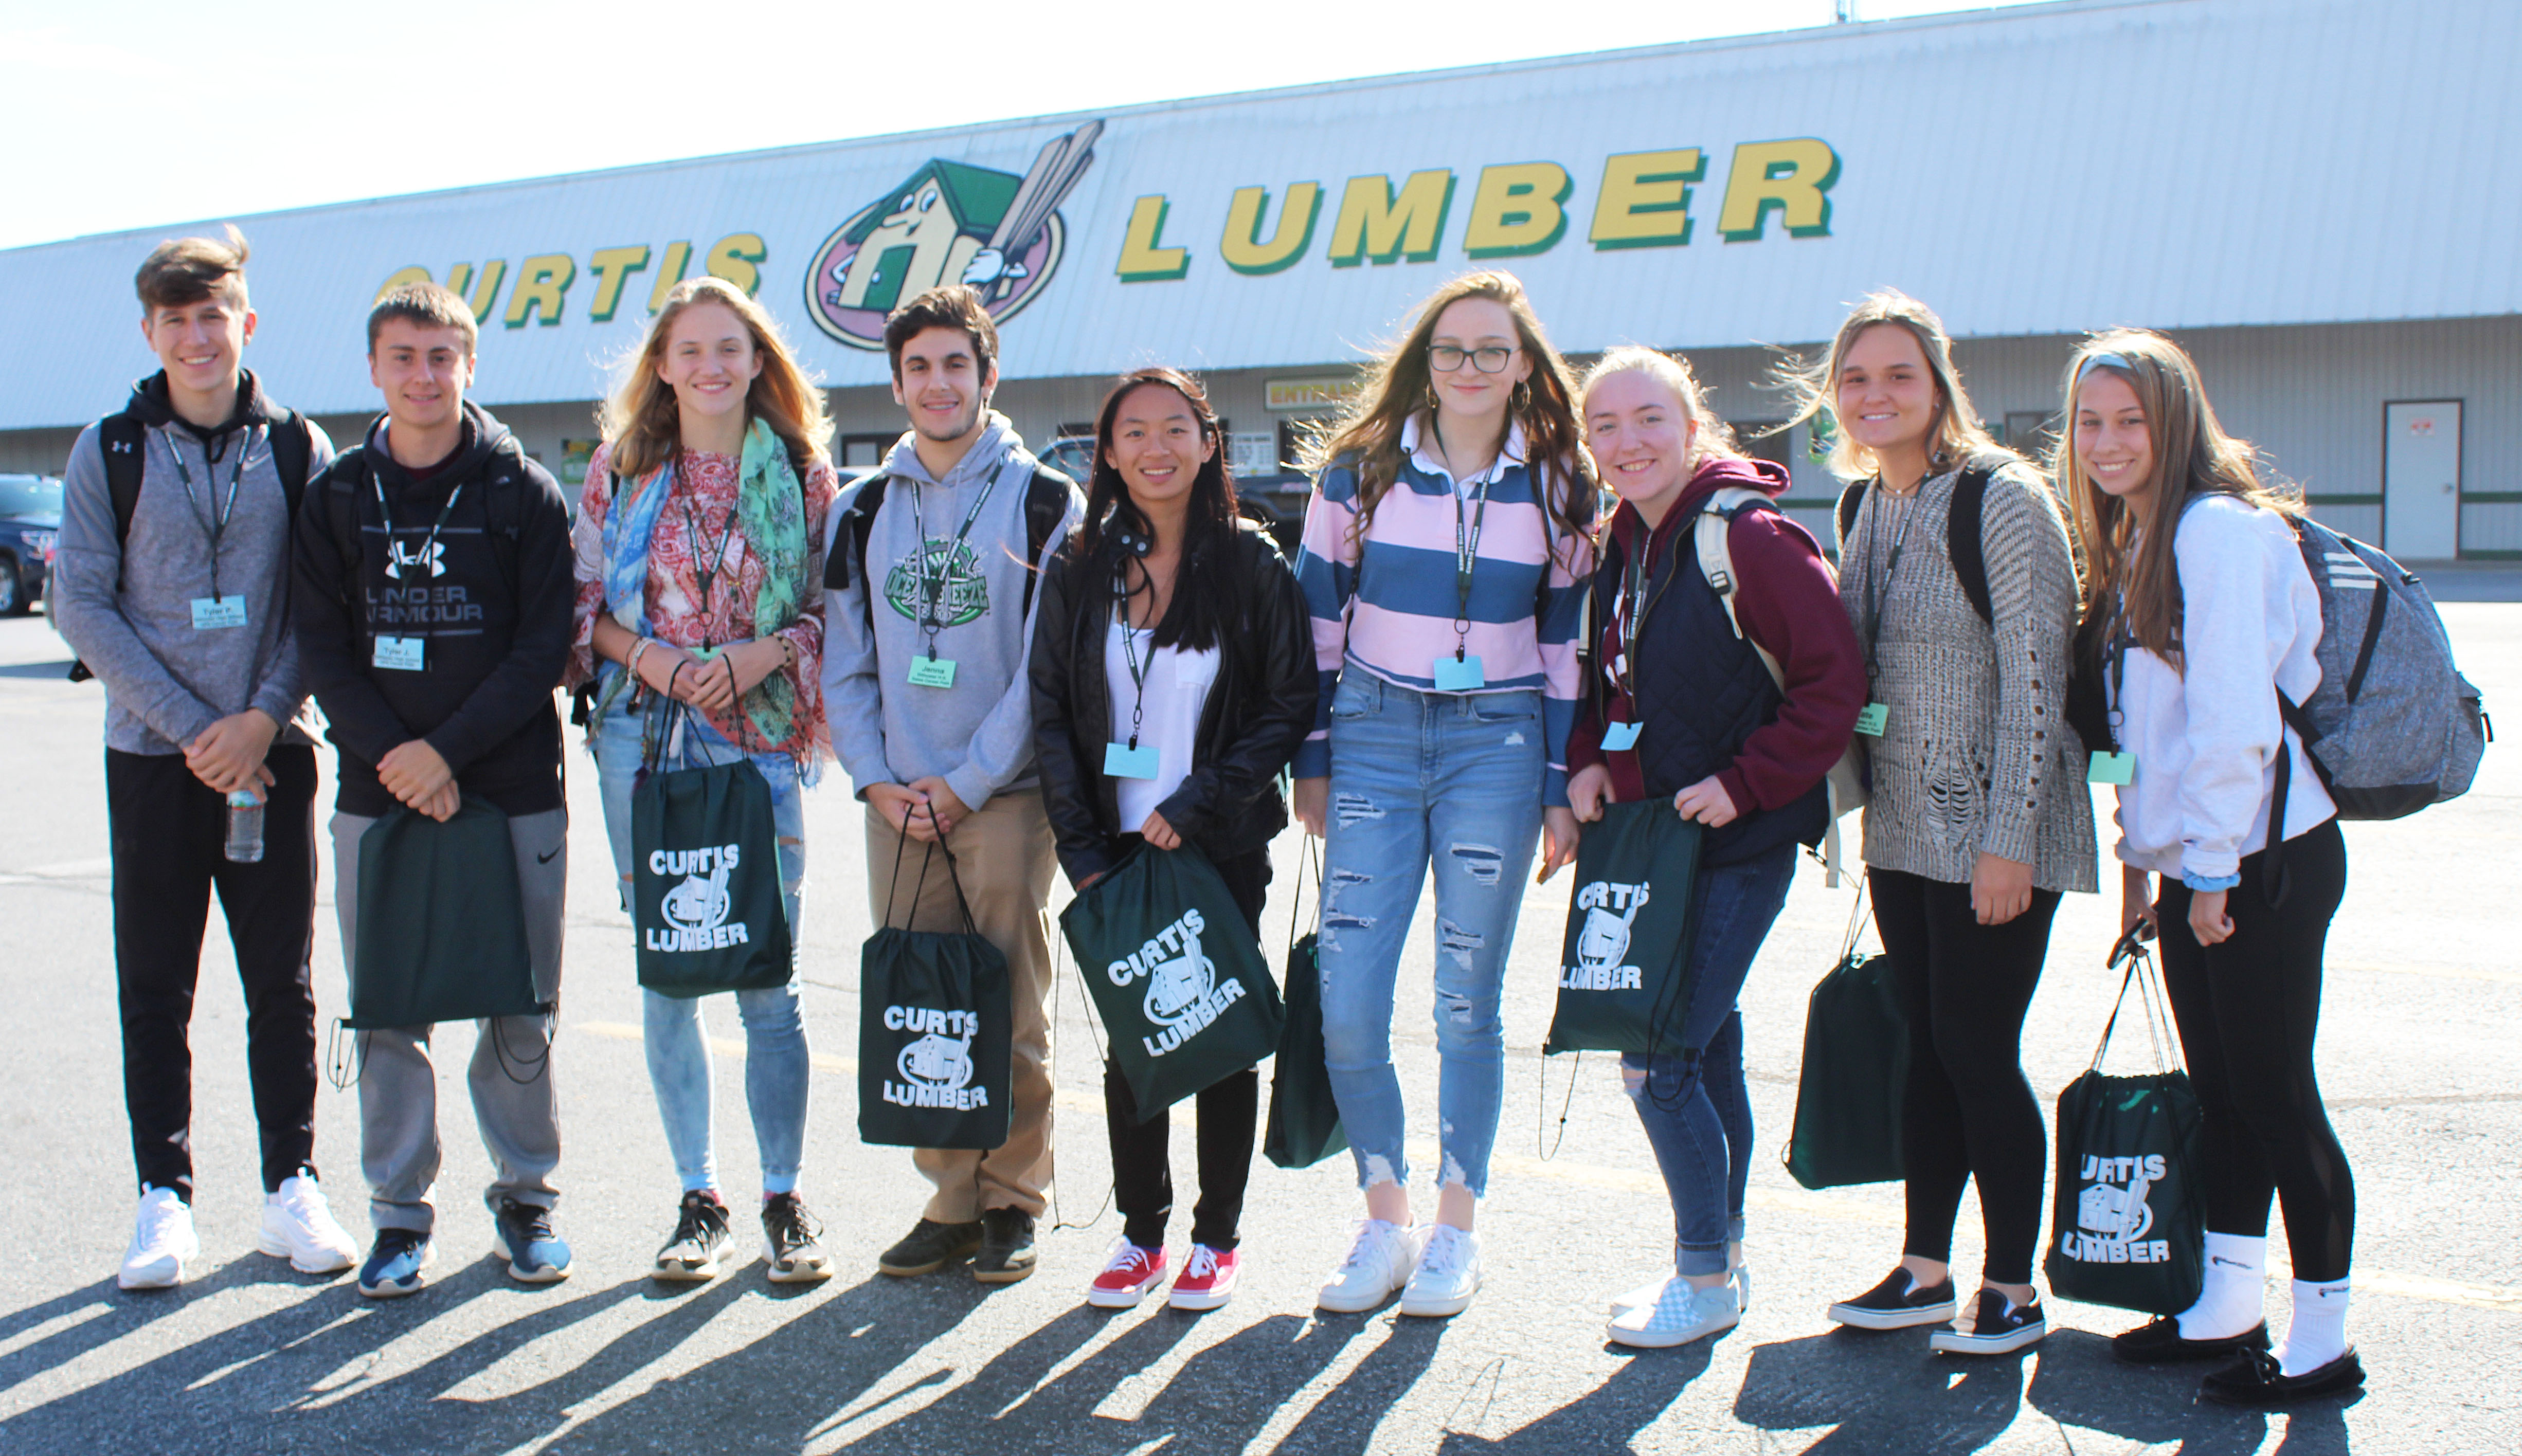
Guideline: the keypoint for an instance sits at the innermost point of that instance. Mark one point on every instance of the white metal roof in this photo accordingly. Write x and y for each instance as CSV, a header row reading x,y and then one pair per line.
x,y
2029,170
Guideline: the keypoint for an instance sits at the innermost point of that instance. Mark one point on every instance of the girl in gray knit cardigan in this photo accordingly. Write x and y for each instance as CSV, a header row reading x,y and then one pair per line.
x,y
1978,816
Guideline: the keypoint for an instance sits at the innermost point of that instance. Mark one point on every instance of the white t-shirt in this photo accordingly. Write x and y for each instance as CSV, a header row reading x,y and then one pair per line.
x,y
1177,684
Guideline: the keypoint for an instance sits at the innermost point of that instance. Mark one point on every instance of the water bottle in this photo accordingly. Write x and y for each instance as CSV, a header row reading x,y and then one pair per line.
x,y
245,828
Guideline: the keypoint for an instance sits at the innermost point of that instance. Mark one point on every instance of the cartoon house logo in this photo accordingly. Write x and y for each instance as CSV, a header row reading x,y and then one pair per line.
x,y
949,222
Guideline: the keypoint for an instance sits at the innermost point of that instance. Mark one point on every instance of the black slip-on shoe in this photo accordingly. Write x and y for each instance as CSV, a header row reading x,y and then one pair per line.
x,y
1999,1327
2159,1343
1899,1302
1007,1252
930,1246
2257,1380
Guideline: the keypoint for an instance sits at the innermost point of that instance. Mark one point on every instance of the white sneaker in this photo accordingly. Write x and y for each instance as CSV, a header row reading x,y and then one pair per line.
x,y
1379,1260
1740,1276
1643,1295
161,1239
297,1226
1679,1316
1448,1274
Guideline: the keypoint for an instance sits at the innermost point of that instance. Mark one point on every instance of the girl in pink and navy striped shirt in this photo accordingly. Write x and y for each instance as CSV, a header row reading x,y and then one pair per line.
x,y
1445,553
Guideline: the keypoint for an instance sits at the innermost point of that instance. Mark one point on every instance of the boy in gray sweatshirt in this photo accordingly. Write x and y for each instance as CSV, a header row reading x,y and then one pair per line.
x,y
928,623
172,582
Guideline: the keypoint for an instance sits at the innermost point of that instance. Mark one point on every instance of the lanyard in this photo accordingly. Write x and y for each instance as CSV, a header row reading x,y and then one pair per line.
x,y
1466,550
1877,593
428,547
2116,647
1628,615
726,533
216,527
1130,652
932,588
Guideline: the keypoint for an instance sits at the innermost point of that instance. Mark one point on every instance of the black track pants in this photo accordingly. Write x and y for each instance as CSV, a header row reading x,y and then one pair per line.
x,y
170,835
1967,1111
1142,1180
2249,1011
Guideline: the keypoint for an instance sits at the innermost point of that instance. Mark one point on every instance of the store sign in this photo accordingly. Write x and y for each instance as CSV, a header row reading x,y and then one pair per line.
x,y
1311,395
541,285
949,222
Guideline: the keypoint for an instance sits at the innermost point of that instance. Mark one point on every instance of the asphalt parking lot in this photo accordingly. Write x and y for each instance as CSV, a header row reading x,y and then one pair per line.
x,y
2421,1064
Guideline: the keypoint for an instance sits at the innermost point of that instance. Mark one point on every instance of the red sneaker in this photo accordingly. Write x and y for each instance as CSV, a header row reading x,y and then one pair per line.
x,y
1207,1279
1129,1273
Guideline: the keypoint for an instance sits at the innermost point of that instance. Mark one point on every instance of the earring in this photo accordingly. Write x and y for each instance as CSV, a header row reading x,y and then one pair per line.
x,y
1431,394
1522,395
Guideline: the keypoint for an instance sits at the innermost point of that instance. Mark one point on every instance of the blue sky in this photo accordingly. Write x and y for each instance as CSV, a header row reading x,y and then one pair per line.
x,y
147,112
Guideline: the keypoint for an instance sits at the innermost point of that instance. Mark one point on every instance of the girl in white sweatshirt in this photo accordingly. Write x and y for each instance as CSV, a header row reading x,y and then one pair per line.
x,y
2203,614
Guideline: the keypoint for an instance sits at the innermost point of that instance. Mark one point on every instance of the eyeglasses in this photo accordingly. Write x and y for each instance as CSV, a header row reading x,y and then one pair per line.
x,y
1445,358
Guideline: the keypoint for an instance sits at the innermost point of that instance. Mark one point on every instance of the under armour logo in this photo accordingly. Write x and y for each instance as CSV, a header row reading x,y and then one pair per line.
x,y
401,556
123,447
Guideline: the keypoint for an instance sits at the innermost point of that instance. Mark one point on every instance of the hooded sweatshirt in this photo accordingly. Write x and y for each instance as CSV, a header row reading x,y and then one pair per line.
x,y
492,617
165,681
976,735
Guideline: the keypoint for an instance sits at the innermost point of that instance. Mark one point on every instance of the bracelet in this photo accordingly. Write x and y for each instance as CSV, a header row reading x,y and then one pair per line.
x,y
631,659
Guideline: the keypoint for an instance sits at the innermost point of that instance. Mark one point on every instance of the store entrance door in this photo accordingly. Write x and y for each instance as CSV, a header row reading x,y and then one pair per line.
x,y
2421,479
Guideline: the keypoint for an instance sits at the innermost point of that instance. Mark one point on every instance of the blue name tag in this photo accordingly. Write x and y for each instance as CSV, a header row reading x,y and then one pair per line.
x,y
2111,768
1121,761
1619,737
213,613
1459,677
402,654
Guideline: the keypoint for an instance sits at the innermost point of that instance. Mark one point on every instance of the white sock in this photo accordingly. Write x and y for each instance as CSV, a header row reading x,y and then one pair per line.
x,y
2318,1333
2236,1282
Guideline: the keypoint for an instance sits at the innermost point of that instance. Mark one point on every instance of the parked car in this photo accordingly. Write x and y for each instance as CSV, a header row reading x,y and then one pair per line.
x,y
31,525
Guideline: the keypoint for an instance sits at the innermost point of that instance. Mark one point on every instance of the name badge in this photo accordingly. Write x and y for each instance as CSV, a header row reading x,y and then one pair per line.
x,y
1618,736
932,672
2111,768
1121,761
1871,720
213,613
1459,677
402,654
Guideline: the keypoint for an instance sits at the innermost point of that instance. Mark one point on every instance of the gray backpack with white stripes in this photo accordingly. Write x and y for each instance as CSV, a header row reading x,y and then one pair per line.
x,y
2393,726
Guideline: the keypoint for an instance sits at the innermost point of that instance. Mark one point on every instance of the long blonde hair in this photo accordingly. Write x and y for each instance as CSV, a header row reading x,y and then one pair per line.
x,y
642,423
1956,437
1711,436
2193,457
1398,385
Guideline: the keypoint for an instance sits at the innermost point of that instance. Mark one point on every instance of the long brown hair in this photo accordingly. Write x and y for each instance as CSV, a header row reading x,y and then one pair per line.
x,y
1398,385
1956,437
2193,457
1195,618
643,423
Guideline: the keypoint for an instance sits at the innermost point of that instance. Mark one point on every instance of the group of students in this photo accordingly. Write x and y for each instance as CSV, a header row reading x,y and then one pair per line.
x,y
1464,663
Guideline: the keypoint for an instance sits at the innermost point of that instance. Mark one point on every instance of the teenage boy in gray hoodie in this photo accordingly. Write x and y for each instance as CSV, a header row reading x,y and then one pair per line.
x,y
928,621
175,596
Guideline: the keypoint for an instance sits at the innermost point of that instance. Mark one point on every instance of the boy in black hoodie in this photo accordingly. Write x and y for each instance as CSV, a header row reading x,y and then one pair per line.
x,y
432,606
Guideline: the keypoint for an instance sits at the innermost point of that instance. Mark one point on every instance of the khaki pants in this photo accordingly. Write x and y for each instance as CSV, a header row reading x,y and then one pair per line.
x,y
1003,856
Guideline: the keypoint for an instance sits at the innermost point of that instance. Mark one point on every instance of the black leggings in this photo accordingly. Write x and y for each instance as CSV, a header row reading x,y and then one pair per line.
x,y
2248,1010
1967,1111
1142,1180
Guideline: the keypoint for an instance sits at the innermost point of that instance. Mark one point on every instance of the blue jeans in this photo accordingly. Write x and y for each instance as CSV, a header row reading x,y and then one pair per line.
x,y
1417,777
1696,1109
776,1068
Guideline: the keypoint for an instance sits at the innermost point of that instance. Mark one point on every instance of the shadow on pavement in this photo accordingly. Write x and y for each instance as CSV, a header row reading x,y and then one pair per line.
x,y
2078,1383
1883,1392
1345,1418
1647,1382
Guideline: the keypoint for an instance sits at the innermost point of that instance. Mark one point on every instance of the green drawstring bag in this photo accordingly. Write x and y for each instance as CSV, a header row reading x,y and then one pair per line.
x,y
1304,1125
705,879
1855,1073
2130,1224
1176,974
1624,970
441,927
936,1029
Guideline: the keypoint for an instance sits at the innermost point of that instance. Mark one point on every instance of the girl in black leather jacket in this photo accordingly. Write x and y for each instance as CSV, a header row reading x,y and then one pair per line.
x,y
1173,677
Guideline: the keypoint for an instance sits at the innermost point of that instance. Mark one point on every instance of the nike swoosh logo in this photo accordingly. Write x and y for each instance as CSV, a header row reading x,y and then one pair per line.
x,y
2217,1258
546,858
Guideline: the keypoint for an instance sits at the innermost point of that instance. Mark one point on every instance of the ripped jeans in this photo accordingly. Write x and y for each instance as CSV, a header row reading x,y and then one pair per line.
x,y
1418,777
776,1063
1696,1109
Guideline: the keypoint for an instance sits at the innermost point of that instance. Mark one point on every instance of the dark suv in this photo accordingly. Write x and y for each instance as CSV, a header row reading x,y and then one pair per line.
x,y
30,522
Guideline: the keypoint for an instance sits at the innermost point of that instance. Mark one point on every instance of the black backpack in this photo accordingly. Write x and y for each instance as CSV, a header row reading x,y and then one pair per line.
x,y
1961,533
503,498
125,443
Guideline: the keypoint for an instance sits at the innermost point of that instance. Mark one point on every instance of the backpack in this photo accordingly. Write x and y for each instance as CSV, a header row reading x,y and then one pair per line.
x,y
503,505
1046,499
125,443
1848,778
2393,726
1961,535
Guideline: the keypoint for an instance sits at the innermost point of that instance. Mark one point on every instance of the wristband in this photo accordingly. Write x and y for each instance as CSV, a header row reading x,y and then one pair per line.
x,y
630,659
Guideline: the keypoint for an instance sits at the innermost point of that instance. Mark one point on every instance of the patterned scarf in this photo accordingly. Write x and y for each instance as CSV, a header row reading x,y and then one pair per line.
x,y
771,515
